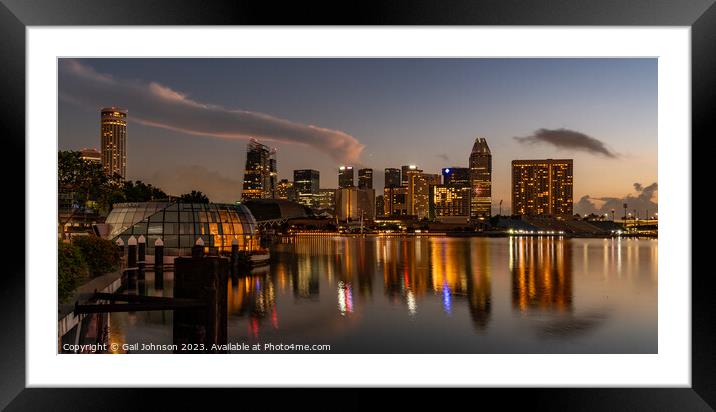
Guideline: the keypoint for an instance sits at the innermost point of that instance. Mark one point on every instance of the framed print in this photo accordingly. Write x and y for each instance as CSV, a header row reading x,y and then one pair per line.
x,y
423,196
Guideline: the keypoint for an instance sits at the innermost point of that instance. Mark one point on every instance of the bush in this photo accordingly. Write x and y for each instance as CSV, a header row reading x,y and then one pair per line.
x,y
72,269
100,254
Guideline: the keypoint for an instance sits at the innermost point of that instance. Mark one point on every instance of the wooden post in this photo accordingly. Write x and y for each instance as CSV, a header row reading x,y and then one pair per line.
x,y
142,252
234,256
132,262
159,264
120,247
198,249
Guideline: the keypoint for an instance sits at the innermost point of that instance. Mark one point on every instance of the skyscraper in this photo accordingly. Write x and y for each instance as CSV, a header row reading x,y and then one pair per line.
x,y
113,130
480,180
365,178
404,173
392,177
260,172
284,190
345,177
456,176
306,184
353,203
542,187
418,196
450,201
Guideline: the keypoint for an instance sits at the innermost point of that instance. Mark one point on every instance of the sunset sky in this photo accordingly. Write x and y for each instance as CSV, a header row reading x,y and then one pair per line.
x,y
189,119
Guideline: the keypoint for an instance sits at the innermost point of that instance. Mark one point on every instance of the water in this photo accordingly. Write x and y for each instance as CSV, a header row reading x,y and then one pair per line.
x,y
438,295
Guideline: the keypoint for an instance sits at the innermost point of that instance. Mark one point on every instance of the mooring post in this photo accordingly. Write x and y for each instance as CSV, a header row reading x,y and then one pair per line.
x,y
158,264
142,255
234,255
198,249
120,247
132,261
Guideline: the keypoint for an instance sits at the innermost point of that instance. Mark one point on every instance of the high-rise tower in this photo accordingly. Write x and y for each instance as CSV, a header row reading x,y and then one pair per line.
x,y
113,130
480,180
260,172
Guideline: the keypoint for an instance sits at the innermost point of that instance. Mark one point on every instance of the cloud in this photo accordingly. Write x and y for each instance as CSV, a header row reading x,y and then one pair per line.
x,y
157,105
568,140
184,179
646,198
443,157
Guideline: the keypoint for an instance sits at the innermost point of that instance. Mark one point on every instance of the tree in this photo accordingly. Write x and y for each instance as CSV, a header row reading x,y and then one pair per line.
x,y
194,197
141,192
83,178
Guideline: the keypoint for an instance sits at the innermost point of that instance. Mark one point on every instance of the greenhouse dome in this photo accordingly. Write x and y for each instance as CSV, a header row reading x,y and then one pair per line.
x,y
179,225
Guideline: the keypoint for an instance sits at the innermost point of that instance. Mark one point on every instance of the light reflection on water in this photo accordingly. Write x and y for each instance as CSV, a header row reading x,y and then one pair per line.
x,y
438,295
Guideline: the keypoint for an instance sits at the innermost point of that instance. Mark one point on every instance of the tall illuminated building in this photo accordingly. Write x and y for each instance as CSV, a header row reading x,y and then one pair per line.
x,y
392,177
543,187
284,190
404,174
456,176
395,201
365,178
306,185
113,129
353,203
480,180
450,203
418,196
379,205
260,172
345,177
325,201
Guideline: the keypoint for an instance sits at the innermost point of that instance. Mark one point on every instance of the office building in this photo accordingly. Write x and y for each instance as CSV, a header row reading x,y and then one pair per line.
x,y
395,201
392,177
418,195
365,178
260,172
480,180
306,185
345,177
285,191
353,203
459,176
542,187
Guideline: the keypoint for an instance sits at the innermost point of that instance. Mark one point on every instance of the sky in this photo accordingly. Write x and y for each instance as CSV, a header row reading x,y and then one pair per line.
x,y
190,119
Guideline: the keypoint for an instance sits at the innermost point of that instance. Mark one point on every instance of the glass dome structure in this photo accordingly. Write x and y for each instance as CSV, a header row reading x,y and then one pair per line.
x,y
179,225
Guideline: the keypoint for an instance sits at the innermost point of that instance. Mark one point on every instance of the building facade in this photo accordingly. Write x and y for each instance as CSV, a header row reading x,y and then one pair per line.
x,y
392,177
450,203
113,138
326,201
306,185
365,178
419,184
480,180
456,176
345,177
543,187
260,172
284,190
395,201
353,203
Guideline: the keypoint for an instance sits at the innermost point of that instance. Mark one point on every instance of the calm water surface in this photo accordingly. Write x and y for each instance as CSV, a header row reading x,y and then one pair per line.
x,y
438,295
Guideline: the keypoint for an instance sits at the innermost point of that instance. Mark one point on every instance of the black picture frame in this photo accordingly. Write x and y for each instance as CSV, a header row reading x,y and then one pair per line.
x,y
15,15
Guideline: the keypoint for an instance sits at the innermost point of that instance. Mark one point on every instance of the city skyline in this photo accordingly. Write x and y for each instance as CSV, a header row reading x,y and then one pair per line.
x,y
608,166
